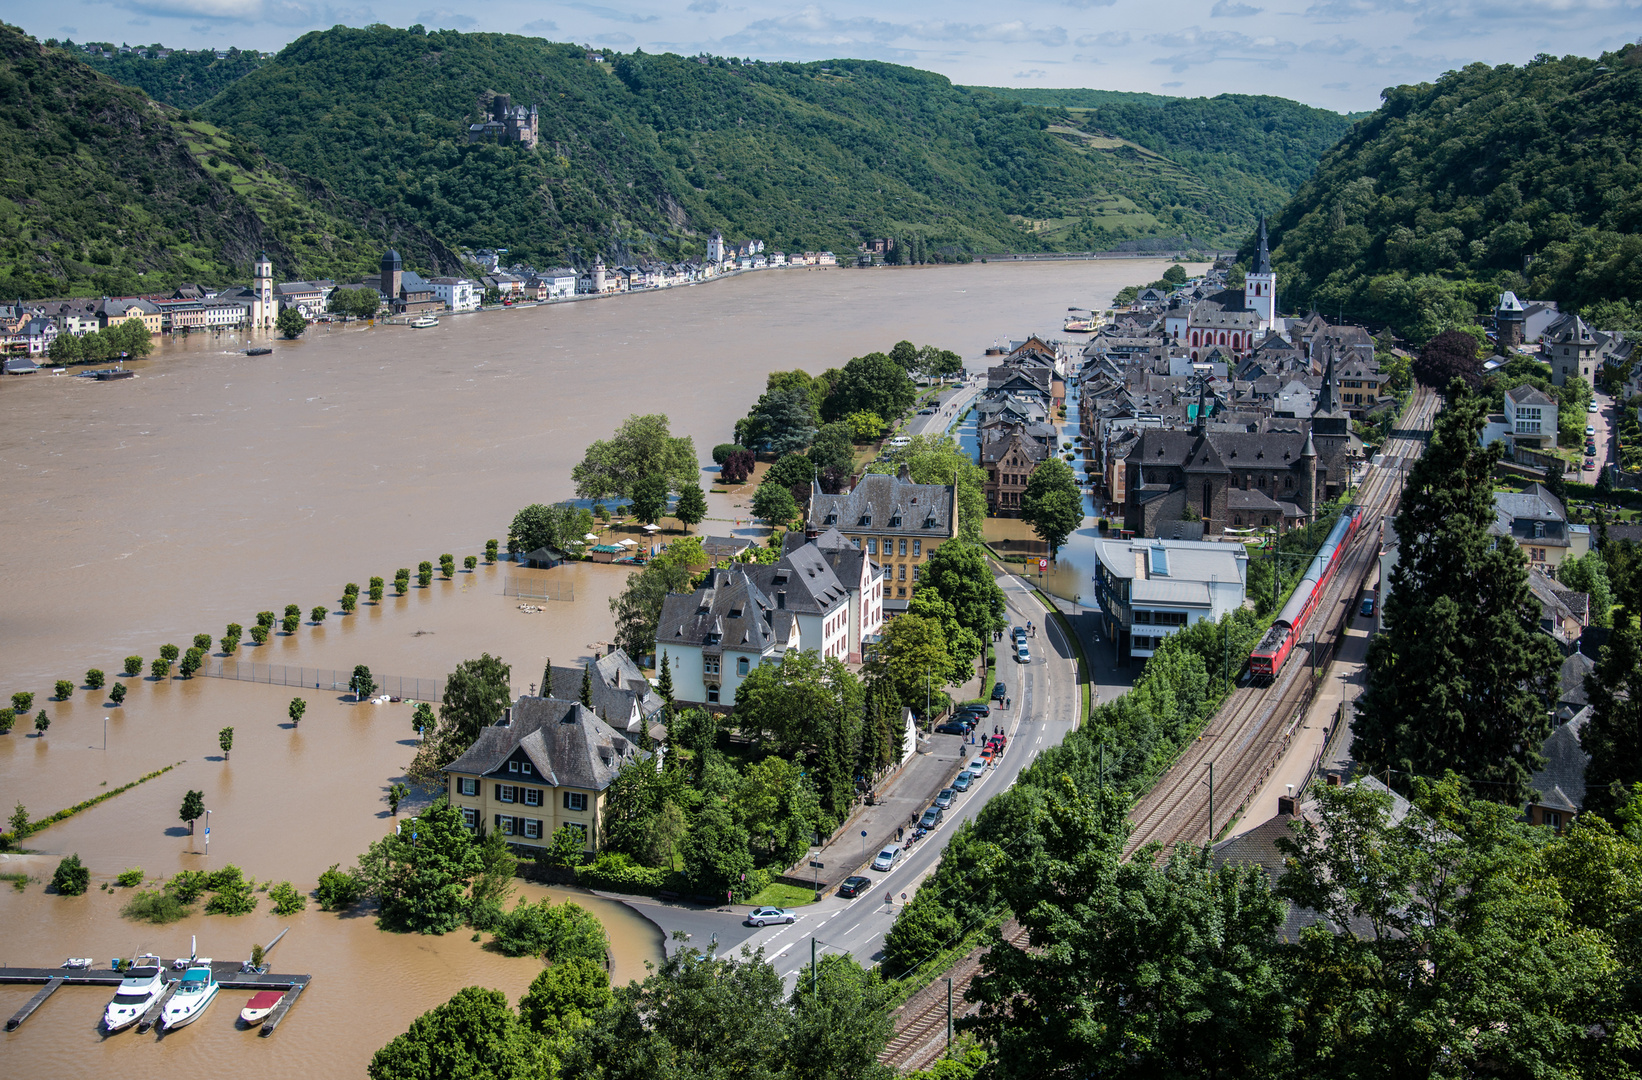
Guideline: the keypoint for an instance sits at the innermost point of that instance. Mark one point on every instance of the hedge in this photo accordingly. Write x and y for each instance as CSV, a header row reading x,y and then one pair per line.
x,y
8,839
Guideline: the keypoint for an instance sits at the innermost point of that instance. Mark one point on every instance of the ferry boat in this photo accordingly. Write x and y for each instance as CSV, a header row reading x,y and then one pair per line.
x,y
260,350
261,1004
1075,325
194,995
143,984
423,322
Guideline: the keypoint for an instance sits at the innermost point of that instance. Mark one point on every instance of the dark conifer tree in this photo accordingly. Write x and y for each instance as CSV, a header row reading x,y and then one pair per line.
x,y
587,685
1613,734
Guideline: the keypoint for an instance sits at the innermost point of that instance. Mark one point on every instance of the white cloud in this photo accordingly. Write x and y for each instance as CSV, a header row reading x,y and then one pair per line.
x,y
705,7
813,27
1193,47
614,39
445,19
613,15
1034,73
1231,9
1084,5
539,27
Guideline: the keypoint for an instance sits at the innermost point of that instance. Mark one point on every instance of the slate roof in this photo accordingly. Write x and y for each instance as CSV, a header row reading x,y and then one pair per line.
x,y
801,583
994,450
567,744
1516,514
729,611
725,546
1572,682
880,499
844,557
618,687
1561,783
1528,394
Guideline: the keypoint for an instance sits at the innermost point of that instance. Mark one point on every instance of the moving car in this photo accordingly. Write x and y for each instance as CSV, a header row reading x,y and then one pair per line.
x,y
932,817
1368,605
854,885
943,800
763,915
1023,654
963,781
887,858
952,727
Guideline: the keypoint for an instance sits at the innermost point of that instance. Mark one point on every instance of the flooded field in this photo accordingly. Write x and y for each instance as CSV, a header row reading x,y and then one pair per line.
x,y
215,485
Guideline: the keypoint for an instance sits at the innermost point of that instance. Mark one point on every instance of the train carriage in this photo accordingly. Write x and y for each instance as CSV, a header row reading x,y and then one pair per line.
x,y
1268,657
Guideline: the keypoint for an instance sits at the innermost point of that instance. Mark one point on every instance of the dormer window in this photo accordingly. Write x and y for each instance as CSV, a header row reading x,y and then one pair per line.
x,y
513,766
866,520
524,767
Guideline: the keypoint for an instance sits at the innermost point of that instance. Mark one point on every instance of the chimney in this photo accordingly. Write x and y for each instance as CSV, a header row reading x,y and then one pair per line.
x,y
1285,806
1333,779
904,473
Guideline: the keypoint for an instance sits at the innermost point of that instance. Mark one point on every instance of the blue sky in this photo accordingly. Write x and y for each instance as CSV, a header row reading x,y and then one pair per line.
x,y
1332,53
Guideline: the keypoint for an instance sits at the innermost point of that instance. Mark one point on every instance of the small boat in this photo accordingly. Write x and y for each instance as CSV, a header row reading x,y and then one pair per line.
x,y
423,322
195,992
144,982
1079,326
78,962
260,350
261,1004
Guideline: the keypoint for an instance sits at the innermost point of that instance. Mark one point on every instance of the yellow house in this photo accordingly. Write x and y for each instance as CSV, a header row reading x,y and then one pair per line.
x,y
119,311
545,765
898,524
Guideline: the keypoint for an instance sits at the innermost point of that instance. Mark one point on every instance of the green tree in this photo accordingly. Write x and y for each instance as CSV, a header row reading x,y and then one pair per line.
x,y
566,997
1175,275
873,384
95,679
225,739
317,615
637,608
649,498
190,663
1588,573
193,808
470,563
19,821
1052,504
169,653
475,695
336,890
833,449
1459,678
290,323
361,683
491,548
159,668
473,1035
116,693
783,422
41,723
864,426
422,718
133,666
231,638
71,878
568,846
377,588
424,573
774,504
586,696
497,865
22,701
286,899
911,661
420,876
691,507
447,565
840,1023
290,623
958,573
8,718
65,689
641,447
295,710
780,809
790,471
1612,736
397,793
202,642
717,854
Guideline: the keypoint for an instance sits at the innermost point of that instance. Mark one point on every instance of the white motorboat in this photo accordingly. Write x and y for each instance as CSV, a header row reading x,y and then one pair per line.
x,y
195,993
424,322
143,984
261,1004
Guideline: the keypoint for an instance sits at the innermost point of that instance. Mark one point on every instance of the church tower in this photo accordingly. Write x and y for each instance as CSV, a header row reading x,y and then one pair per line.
x,y
262,294
1260,285
393,275
715,247
598,275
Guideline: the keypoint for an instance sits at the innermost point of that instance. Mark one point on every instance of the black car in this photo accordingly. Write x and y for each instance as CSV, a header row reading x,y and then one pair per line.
x,y
998,691
952,727
854,886
975,710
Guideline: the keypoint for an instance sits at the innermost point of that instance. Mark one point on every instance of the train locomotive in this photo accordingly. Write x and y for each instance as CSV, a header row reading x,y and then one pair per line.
x,y
1268,657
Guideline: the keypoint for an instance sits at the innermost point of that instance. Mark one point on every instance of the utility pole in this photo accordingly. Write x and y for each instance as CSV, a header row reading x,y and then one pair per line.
x,y
949,1016
208,832
813,973
1211,804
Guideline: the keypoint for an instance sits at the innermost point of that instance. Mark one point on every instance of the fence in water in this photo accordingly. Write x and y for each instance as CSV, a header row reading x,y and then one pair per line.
x,y
399,686
538,588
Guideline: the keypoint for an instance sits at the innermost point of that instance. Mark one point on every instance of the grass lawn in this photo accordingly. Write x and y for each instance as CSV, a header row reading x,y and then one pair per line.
x,y
777,894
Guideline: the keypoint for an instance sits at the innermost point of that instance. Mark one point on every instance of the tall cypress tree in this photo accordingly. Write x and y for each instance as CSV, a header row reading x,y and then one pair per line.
x,y
1459,678
1613,734
587,685
547,678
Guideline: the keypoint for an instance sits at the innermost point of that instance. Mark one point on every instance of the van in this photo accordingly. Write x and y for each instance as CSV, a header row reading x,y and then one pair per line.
x,y
900,441
887,858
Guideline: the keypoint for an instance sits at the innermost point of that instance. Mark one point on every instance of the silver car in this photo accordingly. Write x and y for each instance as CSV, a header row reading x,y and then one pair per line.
x,y
764,915
887,858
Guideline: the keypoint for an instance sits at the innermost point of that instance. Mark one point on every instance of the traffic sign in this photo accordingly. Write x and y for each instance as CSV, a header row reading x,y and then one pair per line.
x,y
1043,564
818,865
207,832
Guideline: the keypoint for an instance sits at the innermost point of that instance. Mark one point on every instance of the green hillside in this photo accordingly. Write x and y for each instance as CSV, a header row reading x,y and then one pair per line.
x,y
185,79
1525,178
1255,150
104,192
649,153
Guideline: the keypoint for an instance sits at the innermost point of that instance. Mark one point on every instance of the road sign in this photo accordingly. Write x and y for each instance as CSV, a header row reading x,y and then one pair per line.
x,y
818,865
1043,564
207,832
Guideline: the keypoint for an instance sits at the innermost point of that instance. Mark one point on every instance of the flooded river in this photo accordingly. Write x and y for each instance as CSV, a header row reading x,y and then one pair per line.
x,y
216,485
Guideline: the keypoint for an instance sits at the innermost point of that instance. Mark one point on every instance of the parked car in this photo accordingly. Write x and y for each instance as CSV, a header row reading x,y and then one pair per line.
x,y
1593,407
854,885
1589,430
975,709
926,412
952,727
963,781
977,765
1590,465
887,858
943,800
1018,634
999,691
764,915
1023,654
1368,605
932,817
1590,449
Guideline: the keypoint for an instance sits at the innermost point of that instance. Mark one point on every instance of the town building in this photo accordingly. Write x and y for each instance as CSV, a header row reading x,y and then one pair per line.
x,y
898,523
405,291
1510,321
622,696
1149,589
716,636
1536,521
263,308
507,123
862,578
457,294
308,297
1559,786
546,764
1570,347
1009,461
113,311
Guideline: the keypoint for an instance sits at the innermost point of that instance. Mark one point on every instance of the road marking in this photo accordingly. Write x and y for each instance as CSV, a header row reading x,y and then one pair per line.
x,y
789,945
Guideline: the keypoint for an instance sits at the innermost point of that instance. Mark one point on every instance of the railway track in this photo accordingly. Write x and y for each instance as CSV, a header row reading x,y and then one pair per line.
x,y
1245,740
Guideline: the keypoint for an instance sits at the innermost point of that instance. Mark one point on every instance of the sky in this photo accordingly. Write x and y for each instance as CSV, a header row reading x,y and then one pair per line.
x,y
1336,54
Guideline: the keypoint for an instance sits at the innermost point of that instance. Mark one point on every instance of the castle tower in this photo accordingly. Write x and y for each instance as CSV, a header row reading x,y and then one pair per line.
x,y
1260,285
598,274
715,247
263,308
393,274
1510,319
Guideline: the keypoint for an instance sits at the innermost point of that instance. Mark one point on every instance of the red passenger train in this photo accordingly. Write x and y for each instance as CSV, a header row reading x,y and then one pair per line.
x,y
1267,658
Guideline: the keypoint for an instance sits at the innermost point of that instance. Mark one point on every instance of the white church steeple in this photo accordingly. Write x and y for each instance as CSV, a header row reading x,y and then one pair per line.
x,y
1260,284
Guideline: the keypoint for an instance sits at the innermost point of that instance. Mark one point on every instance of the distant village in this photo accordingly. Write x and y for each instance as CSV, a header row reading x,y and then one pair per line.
x,y
28,328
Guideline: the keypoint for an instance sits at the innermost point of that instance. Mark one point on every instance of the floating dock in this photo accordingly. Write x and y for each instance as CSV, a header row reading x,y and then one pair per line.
x,y
227,972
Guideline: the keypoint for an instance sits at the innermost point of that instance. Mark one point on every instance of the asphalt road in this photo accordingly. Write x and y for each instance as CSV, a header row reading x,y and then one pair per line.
x,y
1045,704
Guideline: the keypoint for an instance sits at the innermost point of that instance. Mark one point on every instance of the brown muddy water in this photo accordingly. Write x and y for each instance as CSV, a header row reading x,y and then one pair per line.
x,y
215,485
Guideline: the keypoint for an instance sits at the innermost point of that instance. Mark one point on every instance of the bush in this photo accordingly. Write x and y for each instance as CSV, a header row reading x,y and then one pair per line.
x,y
158,906
287,901
71,877
170,653
552,933
8,717
617,872
133,665
64,689
337,890
188,885
130,878
231,894
722,452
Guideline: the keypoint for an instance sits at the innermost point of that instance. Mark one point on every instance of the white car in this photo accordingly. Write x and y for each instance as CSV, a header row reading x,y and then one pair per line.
x,y
764,915
978,766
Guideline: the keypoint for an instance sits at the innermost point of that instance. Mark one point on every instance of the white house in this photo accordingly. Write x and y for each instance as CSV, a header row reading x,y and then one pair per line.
x,y
1149,589
561,282
457,294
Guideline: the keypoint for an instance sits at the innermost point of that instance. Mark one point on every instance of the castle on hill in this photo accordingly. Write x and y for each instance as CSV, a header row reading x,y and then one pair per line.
x,y
508,123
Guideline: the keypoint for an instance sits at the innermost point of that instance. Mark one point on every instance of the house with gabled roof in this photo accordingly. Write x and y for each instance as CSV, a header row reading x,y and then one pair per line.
x,y
717,635
622,696
898,523
544,765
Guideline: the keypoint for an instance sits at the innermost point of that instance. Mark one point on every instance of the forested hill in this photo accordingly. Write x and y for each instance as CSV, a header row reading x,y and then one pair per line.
x,y
104,192
1258,150
650,152
1526,178
185,79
